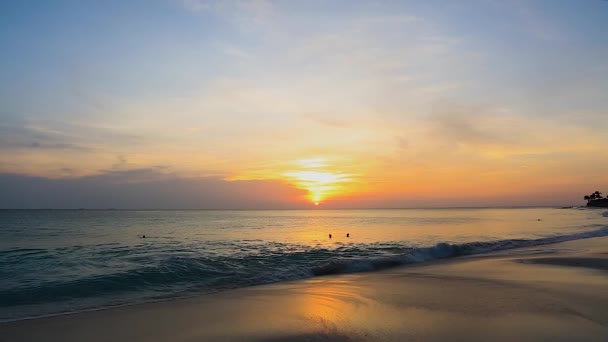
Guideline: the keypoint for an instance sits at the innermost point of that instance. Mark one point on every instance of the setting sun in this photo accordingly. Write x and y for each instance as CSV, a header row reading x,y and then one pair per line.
x,y
320,185
318,180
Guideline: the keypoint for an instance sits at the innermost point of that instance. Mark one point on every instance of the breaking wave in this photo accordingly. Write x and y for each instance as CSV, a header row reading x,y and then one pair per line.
x,y
442,251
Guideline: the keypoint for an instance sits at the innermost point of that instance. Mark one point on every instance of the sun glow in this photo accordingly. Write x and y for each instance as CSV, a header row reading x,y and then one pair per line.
x,y
320,182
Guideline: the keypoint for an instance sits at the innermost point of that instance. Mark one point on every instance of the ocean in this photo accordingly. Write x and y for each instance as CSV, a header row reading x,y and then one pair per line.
x,y
63,261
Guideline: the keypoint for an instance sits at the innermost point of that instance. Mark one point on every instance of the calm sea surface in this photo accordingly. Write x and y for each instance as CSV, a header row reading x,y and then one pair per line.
x,y
59,261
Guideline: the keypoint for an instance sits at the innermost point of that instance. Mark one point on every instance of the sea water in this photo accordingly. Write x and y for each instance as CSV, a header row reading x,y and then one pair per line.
x,y
64,261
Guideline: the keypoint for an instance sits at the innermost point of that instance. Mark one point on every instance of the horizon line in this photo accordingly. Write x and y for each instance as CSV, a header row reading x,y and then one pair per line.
x,y
308,209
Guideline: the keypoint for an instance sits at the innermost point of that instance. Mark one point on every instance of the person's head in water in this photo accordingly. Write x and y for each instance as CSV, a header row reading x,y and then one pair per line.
x,y
347,234
330,236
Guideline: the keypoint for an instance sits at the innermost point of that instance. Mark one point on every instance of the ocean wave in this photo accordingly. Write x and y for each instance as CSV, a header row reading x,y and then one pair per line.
x,y
442,251
175,275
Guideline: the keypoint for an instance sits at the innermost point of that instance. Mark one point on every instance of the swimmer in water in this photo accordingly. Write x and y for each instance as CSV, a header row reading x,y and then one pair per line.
x,y
330,236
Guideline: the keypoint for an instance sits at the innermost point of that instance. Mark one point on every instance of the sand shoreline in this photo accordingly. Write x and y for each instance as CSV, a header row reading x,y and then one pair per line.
x,y
550,292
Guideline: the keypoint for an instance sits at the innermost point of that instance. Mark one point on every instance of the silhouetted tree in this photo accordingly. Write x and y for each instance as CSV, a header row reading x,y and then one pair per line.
x,y
594,196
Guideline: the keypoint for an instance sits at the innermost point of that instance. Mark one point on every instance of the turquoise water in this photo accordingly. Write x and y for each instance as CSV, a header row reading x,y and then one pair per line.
x,y
61,261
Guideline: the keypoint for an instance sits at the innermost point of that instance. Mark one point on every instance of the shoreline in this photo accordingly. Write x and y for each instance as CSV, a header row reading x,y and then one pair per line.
x,y
557,286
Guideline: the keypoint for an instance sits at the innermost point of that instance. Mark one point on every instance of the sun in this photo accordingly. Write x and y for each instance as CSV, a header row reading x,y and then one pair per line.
x,y
320,182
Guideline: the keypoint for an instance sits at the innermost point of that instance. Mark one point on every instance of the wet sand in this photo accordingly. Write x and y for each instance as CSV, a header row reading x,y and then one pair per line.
x,y
553,292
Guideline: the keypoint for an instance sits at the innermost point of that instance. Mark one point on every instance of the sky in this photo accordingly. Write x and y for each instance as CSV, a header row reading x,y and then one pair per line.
x,y
202,104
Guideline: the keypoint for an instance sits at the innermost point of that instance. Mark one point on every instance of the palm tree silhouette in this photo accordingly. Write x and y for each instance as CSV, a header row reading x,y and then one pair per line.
x,y
594,196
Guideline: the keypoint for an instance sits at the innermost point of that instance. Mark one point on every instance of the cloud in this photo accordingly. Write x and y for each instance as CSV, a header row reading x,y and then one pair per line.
x,y
45,147
13,136
473,125
505,131
146,188
47,134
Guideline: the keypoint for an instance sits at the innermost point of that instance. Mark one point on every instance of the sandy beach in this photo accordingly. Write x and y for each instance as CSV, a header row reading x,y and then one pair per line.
x,y
552,292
